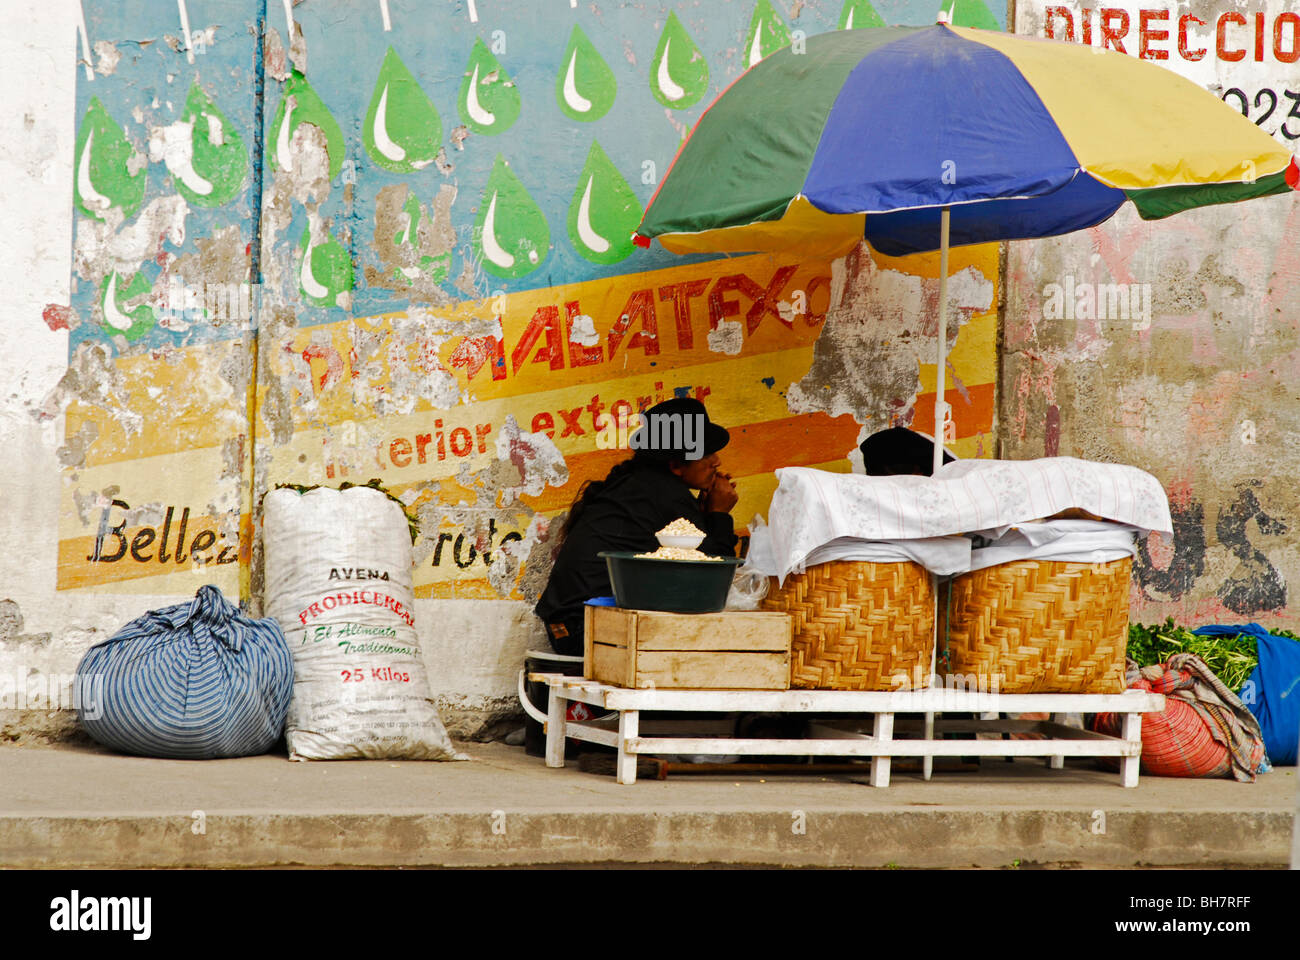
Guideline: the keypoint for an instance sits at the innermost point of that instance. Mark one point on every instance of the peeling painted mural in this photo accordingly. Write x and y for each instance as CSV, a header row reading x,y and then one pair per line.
x,y
445,294
156,395
1173,345
312,244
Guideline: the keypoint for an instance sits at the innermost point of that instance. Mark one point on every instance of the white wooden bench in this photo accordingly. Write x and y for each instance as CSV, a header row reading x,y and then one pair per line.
x,y
1059,741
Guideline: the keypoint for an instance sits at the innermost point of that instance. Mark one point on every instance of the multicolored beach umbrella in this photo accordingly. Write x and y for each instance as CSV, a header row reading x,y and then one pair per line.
x,y
922,138
873,133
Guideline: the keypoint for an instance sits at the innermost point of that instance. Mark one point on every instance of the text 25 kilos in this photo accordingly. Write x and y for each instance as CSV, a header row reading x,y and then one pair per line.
x,y
379,674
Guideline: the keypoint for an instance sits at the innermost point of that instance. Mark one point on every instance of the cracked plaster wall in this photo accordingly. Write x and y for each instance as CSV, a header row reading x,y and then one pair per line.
x,y
1198,384
41,634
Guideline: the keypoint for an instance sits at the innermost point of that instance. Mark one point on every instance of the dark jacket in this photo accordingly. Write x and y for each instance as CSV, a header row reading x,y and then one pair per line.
x,y
625,515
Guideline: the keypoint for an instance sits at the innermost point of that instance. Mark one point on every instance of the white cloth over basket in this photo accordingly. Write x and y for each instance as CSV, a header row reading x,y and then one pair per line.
x,y
941,555
813,509
1075,541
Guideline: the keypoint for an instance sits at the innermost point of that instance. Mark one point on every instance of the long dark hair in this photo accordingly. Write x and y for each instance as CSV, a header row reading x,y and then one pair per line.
x,y
593,488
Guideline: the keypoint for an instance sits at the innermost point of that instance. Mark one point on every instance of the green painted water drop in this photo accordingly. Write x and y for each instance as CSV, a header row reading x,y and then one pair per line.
x,y
131,323
767,33
511,232
217,162
489,98
679,72
604,211
104,158
585,86
324,270
409,235
403,130
970,13
302,105
858,14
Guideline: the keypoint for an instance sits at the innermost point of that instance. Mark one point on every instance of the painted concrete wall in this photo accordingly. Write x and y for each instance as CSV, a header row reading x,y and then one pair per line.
x,y
438,292
41,635
1198,384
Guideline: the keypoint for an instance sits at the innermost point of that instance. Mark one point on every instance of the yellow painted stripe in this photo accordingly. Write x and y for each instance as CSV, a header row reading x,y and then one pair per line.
x,y
1165,131
475,589
198,479
973,356
756,449
755,493
183,583
166,401
982,256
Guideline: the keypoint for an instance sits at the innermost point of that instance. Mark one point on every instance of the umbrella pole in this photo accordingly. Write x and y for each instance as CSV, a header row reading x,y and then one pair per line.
x,y
927,764
940,407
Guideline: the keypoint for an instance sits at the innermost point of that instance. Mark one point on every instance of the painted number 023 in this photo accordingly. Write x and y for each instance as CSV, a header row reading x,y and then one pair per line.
x,y
1269,97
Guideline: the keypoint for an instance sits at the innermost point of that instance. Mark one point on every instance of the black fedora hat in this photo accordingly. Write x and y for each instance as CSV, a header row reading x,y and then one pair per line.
x,y
677,429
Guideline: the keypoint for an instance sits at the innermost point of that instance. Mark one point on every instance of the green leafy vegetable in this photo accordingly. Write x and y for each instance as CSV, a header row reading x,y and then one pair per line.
x,y
1232,658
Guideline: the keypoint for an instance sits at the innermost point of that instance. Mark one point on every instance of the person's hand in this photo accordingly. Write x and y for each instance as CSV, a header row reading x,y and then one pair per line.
x,y
721,495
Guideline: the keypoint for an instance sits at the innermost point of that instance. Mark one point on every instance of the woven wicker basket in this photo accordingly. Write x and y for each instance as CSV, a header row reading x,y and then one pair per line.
x,y
858,625
1038,626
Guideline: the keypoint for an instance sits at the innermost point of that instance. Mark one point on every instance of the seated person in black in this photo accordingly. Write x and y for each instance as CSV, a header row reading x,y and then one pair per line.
x,y
895,451
639,497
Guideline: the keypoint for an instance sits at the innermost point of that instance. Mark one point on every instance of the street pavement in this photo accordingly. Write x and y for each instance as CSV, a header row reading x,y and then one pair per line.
x,y
79,806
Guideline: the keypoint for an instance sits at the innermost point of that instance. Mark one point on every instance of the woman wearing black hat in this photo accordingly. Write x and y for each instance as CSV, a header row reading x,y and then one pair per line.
x,y
672,474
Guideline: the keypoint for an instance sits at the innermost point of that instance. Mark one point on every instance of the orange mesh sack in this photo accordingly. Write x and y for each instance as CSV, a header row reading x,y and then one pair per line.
x,y
1175,743
1212,734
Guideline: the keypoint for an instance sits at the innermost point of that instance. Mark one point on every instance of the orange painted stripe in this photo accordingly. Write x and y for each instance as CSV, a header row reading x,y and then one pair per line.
x,y
582,467
972,417
755,448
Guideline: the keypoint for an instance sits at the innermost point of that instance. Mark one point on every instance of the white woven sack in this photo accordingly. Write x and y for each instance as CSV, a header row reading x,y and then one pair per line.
x,y
338,581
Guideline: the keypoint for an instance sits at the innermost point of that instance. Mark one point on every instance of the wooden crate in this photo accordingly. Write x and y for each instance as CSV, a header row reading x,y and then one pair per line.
x,y
645,649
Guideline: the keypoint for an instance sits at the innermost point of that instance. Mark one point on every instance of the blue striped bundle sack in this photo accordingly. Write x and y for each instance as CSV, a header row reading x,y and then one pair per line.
x,y
194,681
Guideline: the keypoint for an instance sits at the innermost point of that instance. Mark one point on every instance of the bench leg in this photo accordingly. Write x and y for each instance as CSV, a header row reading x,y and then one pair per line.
x,y
991,715
1128,766
883,730
927,762
1056,763
557,708
628,726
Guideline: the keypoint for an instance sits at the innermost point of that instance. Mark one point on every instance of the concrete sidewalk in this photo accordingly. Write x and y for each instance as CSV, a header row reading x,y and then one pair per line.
x,y
81,807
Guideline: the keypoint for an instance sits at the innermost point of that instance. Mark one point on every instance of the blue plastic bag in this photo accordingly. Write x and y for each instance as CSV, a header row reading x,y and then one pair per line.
x,y
1272,693
194,681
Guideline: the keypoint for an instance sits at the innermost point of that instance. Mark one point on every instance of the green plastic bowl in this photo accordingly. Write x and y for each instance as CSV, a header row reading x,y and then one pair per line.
x,y
674,586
